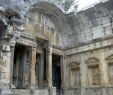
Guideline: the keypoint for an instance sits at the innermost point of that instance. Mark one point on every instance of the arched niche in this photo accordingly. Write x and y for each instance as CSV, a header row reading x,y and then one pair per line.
x,y
93,73
109,61
74,74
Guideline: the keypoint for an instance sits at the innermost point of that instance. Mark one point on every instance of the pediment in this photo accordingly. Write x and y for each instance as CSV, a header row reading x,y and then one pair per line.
x,y
92,60
74,64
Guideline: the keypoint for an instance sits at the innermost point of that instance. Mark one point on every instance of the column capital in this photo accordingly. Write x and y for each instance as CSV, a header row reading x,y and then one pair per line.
x,y
33,48
47,45
49,48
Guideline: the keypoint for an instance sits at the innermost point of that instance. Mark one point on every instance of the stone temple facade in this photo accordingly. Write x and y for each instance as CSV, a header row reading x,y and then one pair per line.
x,y
47,51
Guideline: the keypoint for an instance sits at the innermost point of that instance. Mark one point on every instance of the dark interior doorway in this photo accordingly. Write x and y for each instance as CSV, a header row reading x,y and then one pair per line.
x,y
56,71
21,67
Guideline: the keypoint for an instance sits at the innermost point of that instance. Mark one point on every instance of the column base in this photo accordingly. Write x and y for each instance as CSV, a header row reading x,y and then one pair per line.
x,y
32,86
5,89
52,90
104,91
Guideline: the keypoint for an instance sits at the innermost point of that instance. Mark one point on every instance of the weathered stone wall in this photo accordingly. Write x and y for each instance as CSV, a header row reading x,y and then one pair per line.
x,y
5,64
91,38
101,50
50,8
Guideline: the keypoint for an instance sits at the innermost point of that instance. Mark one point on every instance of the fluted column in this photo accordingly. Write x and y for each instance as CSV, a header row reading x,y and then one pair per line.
x,y
49,64
33,75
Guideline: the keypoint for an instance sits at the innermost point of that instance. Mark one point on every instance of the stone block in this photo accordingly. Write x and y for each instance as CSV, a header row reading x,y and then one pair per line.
x,y
21,91
41,92
6,92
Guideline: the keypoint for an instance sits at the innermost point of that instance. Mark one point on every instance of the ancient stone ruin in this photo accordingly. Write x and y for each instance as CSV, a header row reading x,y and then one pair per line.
x,y
45,50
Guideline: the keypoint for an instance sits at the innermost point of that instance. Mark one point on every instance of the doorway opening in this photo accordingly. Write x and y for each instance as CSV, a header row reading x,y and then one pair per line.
x,y
21,67
56,72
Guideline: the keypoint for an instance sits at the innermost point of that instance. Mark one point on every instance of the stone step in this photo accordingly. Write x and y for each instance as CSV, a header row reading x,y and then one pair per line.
x,y
41,92
22,92
6,92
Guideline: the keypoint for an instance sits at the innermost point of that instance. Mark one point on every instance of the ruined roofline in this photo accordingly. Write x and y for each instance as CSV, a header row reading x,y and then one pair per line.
x,y
24,6
86,8
57,4
92,5
21,10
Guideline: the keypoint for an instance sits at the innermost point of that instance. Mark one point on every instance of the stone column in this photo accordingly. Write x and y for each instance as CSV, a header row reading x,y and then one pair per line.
x,y
66,73
12,62
62,72
40,69
49,64
33,75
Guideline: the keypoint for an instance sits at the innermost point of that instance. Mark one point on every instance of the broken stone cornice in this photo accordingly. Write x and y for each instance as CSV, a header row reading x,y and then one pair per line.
x,y
2,9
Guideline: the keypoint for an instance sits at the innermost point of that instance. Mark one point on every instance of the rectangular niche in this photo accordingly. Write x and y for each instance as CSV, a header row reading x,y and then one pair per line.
x,y
74,75
94,75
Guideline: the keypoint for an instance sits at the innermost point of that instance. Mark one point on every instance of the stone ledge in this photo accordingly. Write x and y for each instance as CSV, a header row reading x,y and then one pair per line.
x,y
89,47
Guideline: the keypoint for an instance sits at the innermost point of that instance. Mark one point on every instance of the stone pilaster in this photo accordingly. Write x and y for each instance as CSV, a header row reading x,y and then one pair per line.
x,y
49,64
83,72
104,70
12,62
